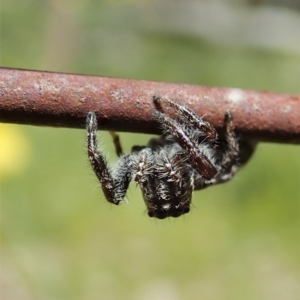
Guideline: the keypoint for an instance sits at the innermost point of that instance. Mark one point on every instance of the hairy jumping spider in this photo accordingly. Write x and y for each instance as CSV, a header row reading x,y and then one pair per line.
x,y
189,156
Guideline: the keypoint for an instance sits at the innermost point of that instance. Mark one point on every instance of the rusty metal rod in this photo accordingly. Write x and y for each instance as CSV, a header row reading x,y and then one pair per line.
x,y
63,100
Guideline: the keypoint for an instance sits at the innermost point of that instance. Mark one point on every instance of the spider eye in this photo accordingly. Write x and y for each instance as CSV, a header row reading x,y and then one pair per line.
x,y
150,214
159,214
186,210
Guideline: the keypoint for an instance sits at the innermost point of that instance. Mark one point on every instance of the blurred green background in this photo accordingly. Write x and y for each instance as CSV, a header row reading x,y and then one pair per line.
x,y
61,240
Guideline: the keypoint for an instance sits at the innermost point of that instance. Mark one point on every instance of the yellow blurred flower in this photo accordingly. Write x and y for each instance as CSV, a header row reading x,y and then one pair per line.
x,y
14,150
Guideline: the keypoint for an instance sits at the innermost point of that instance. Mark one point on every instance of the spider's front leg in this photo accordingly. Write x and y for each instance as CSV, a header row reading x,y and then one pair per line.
x,y
200,160
189,117
114,184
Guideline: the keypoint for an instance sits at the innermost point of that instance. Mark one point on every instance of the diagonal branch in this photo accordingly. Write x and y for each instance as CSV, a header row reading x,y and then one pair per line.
x,y
63,100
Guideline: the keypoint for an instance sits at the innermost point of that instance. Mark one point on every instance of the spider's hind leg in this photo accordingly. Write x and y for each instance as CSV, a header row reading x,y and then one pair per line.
x,y
117,143
232,152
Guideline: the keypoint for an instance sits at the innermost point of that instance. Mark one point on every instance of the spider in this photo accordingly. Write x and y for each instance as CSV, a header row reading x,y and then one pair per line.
x,y
189,156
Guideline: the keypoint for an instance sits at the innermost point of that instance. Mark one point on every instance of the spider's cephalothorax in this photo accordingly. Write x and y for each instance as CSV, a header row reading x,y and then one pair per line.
x,y
189,156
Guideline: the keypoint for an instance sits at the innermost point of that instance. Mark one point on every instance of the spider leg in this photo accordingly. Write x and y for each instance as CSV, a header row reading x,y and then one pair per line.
x,y
189,117
117,143
114,184
234,153
199,159
227,156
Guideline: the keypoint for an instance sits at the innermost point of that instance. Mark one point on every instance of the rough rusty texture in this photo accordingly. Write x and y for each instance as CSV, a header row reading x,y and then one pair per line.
x,y
63,100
